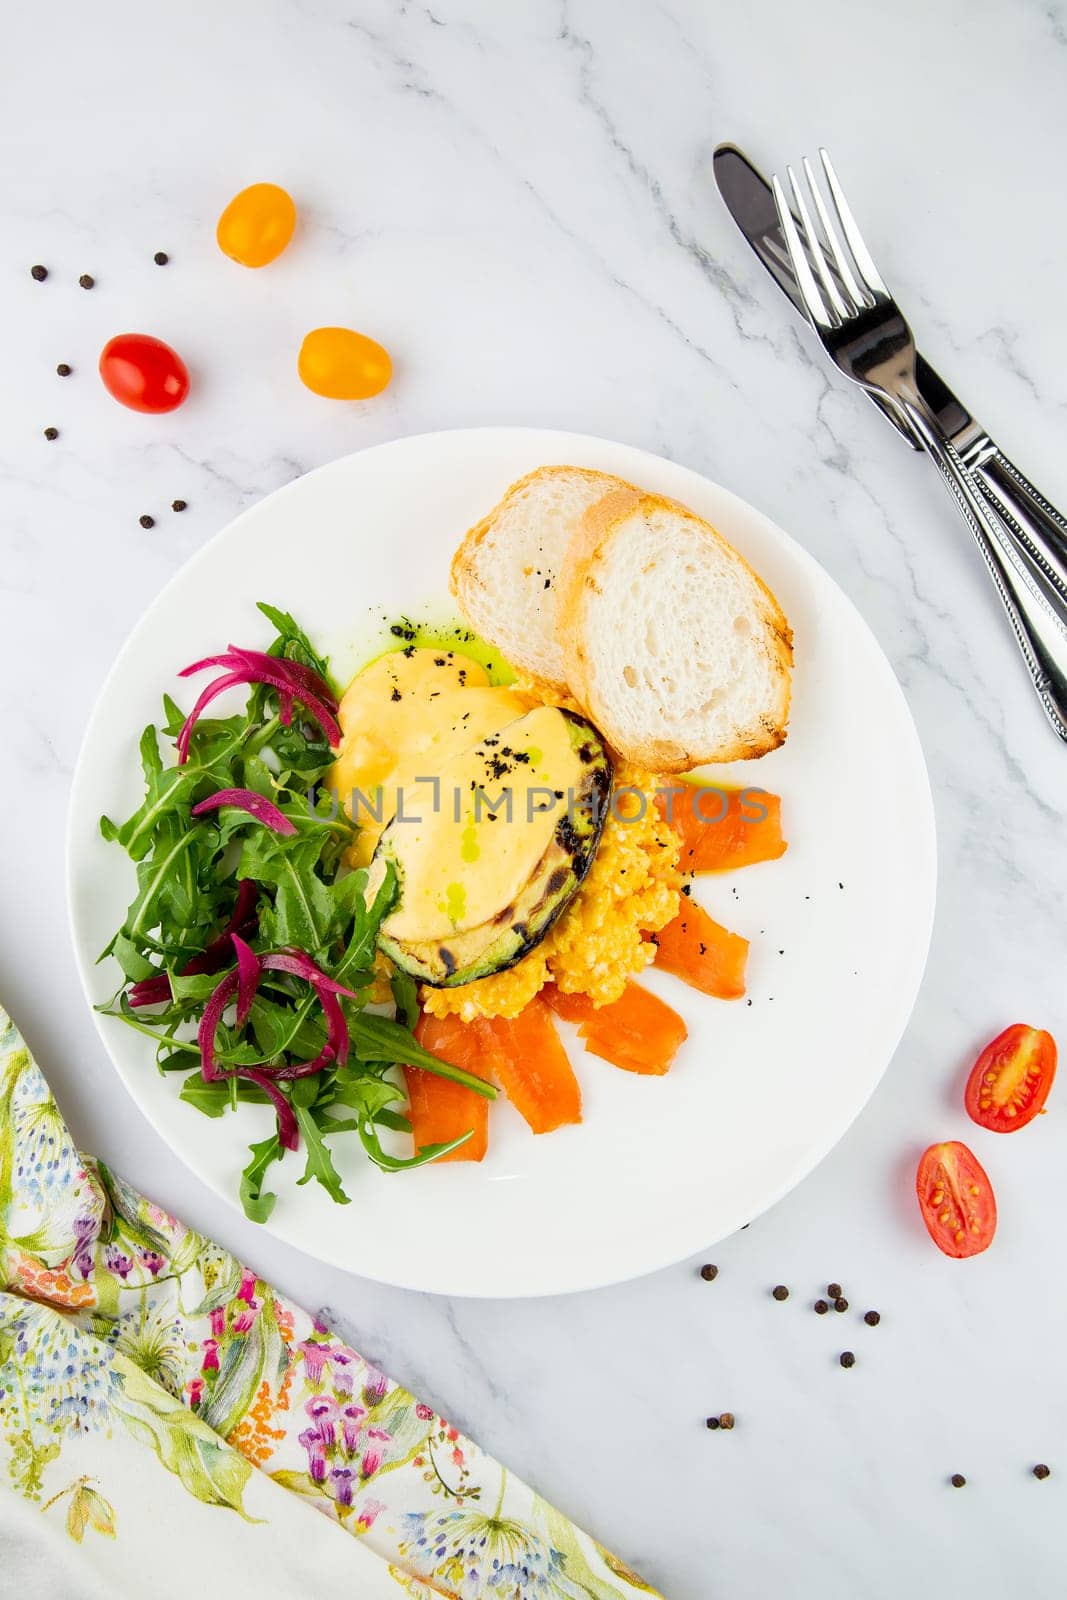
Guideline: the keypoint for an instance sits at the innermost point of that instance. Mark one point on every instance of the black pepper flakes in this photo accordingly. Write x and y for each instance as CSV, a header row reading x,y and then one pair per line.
x,y
820,1307
51,433
712,1422
780,1292
872,1318
726,1420
178,505
1041,1471
38,273
847,1359
161,258
840,1304
63,370
146,521
957,1480
834,1290
709,1272
87,281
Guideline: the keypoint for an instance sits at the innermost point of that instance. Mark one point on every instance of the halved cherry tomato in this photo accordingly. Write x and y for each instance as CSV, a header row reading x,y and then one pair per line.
x,y
956,1200
1010,1081
143,373
340,364
257,225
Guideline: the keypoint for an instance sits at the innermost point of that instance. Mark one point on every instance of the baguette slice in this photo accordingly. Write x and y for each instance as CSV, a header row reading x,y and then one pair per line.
x,y
677,651
505,573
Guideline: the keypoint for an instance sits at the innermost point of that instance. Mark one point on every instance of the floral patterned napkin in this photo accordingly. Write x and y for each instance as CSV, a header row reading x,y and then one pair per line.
x,y
147,1377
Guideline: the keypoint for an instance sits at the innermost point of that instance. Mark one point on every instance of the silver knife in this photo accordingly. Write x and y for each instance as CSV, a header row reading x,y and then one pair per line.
x,y
1029,517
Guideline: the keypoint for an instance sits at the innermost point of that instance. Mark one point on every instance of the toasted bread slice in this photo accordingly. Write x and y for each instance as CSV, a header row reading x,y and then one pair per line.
x,y
678,652
505,573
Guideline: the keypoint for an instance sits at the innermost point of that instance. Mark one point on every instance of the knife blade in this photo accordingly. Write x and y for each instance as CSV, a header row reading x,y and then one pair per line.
x,y
1031,519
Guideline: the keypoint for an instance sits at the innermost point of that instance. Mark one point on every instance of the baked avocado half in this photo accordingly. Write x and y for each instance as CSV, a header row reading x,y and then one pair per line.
x,y
486,868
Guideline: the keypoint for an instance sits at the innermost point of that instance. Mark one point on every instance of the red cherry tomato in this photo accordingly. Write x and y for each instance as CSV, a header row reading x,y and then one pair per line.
x,y
1010,1081
956,1200
143,373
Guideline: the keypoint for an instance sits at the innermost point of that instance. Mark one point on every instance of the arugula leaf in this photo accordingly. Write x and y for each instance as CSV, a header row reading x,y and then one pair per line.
x,y
303,912
392,1119
214,1099
134,965
381,1039
257,1205
292,640
282,1030
319,1160
194,986
429,1152
369,1096
152,876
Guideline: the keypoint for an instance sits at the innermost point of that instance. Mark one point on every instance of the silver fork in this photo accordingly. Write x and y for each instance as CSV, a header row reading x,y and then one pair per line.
x,y
865,333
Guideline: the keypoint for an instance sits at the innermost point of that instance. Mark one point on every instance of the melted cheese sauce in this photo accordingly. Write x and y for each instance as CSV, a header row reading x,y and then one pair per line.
x,y
467,859
404,717
427,741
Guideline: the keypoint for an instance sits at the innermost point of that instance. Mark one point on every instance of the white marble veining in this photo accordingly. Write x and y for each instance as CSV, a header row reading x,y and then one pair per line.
x,y
517,200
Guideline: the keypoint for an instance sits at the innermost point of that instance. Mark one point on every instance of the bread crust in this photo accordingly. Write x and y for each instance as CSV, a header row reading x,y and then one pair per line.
x,y
578,578
464,576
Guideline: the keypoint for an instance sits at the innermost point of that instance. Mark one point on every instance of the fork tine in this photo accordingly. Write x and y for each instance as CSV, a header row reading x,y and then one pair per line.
x,y
832,292
861,255
841,261
798,257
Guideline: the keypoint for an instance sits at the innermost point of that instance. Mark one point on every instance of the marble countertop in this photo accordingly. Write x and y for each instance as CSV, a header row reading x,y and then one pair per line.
x,y
518,202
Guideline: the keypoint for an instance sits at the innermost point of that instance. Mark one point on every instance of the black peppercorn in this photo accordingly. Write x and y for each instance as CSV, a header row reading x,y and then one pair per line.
x,y
161,258
821,1307
847,1359
86,281
178,505
146,521
1041,1471
709,1272
712,1422
38,273
780,1292
51,433
872,1318
63,370
840,1304
834,1291
726,1420
957,1480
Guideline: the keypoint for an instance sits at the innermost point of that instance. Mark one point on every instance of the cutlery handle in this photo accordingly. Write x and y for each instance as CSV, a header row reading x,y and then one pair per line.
x,y
1033,522
1041,633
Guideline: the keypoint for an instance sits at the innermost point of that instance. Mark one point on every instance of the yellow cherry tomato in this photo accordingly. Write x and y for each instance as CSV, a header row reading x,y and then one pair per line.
x,y
343,365
257,225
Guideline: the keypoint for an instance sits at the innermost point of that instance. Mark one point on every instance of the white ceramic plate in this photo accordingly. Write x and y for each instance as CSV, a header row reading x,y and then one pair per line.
x,y
660,1167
